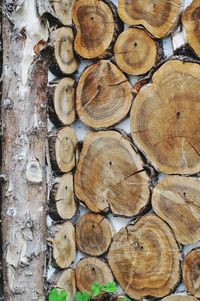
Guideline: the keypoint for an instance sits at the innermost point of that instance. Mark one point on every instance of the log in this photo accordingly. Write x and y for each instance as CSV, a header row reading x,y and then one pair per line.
x,y
63,10
177,201
62,201
103,95
110,174
159,18
179,298
97,27
191,272
93,234
144,258
164,118
135,51
191,25
89,270
61,102
62,144
63,244
64,280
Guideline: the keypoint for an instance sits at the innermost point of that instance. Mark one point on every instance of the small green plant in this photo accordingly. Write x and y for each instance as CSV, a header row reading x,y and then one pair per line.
x,y
97,288
55,295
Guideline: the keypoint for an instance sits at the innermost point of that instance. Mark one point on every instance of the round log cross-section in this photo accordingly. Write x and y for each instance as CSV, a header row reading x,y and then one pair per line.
x,y
144,258
110,174
191,272
63,10
179,298
165,118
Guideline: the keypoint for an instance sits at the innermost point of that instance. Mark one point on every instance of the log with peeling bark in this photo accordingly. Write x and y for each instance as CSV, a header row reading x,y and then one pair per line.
x,y
144,258
62,59
63,10
103,95
179,298
97,27
62,145
63,243
135,51
93,234
110,174
191,25
165,118
60,98
89,270
158,17
177,201
64,280
62,203
191,272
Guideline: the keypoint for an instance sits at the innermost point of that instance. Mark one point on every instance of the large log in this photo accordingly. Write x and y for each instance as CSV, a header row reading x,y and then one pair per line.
x,y
165,118
177,201
144,258
103,95
191,272
158,17
110,174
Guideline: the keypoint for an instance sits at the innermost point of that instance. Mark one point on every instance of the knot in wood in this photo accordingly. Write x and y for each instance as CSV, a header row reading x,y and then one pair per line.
x,y
34,172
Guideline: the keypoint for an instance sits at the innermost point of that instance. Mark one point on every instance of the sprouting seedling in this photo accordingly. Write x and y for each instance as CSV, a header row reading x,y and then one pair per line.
x,y
97,288
55,295
126,299
82,296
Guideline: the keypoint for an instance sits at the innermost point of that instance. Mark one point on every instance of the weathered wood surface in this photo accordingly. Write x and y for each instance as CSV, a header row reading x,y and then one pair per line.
x,y
191,272
63,10
180,298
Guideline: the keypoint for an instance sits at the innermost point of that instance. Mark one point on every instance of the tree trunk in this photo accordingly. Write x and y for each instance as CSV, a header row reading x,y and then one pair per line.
x,y
24,135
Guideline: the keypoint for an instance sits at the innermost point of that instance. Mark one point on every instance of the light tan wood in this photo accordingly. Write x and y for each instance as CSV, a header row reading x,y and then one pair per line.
x,y
62,144
135,51
93,234
144,258
177,201
63,10
158,17
89,270
103,95
110,174
63,243
165,118
191,25
180,298
96,28
191,272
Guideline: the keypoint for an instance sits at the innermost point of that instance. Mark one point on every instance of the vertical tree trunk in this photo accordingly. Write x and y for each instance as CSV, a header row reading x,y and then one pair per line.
x,y
23,166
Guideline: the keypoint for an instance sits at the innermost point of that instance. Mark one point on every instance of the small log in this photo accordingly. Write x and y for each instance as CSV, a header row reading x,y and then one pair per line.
x,y
63,10
90,270
177,201
65,280
62,202
158,17
135,51
179,298
144,258
110,174
93,234
191,272
191,25
165,118
103,95
61,102
96,22
62,144
63,244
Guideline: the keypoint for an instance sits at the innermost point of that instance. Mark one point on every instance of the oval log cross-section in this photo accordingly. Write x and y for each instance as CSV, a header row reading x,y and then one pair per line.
x,y
158,17
191,272
135,51
103,95
165,118
93,234
90,270
177,201
144,258
191,25
179,298
110,174
96,24
63,10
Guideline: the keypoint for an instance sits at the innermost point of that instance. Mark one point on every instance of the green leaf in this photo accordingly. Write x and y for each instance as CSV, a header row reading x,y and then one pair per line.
x,y
110,287
78,296
95,289
85,296
126,299
53,296
62,296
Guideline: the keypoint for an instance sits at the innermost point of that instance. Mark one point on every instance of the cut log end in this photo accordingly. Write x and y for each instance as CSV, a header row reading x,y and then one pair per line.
x,y
179,298
93,234
90,270
191,272
135,51
63,10
159,18
110,174
103,95
144,258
